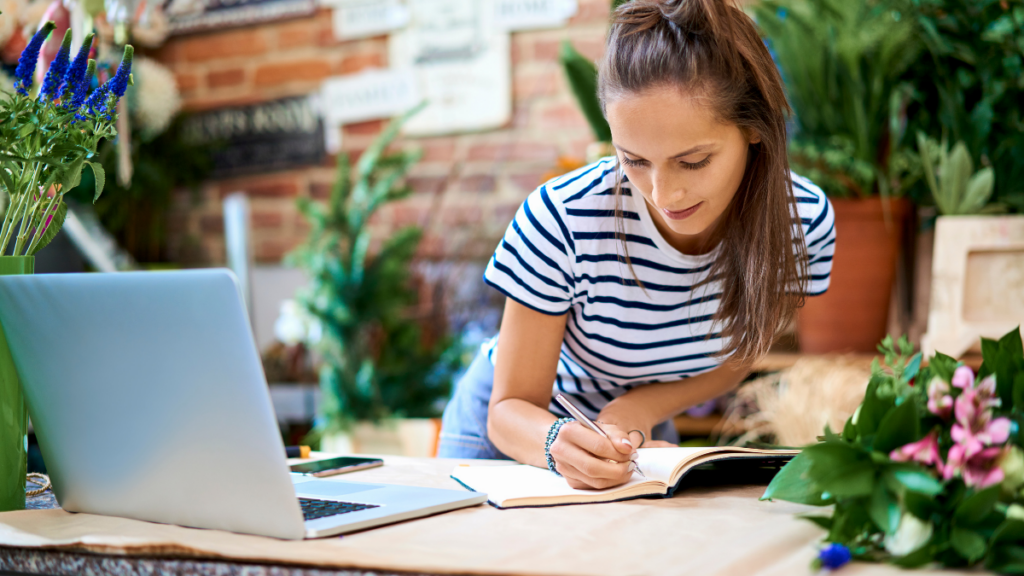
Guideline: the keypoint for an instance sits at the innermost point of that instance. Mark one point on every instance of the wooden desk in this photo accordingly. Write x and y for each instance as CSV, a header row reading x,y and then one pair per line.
x,y
702,531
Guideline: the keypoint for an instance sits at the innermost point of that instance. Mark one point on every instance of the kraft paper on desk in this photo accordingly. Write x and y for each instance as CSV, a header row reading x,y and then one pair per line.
x,y
719,531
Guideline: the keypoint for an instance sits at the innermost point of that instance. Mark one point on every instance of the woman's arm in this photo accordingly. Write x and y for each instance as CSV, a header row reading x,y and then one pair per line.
x,y
644,407
518,418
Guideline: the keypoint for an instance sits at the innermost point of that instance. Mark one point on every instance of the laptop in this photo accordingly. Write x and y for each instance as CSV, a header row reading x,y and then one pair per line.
x,y
149,401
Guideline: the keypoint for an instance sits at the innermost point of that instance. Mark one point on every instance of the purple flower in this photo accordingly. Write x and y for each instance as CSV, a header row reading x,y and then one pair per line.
x,y
53,83
76,85
119,83
23,75
105,98
834,556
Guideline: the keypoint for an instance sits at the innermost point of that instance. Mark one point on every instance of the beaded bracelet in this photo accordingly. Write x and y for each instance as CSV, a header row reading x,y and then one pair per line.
x,y
552,434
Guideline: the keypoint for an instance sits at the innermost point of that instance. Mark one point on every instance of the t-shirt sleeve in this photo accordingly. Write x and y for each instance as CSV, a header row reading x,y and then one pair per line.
x,y
818,219
532,262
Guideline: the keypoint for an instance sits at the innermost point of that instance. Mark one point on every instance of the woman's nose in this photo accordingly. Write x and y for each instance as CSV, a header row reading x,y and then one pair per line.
x,y
665,190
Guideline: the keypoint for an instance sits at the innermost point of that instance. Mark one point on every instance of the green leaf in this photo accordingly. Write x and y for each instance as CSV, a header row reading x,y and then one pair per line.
x,y
72,175
26,130
914,479
967,543
884,510
101,179
975,507
915,559
849,430
912,368
1018,391
793,485
1006,559
52,229
943,366
823,521
873,409
841,469
899,427
582,77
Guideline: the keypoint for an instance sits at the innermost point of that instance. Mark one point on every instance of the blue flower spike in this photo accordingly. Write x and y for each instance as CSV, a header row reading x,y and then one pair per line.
x,y
53,82
23,75
119,83
75,79
833,556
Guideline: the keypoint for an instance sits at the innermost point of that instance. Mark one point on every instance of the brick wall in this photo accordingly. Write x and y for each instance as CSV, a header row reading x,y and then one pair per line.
x,y
468,186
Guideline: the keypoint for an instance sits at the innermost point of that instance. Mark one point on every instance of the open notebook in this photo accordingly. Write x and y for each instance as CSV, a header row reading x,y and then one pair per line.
x,y
522,485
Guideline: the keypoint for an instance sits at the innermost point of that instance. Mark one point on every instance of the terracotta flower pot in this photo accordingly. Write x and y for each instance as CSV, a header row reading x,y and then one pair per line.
x,y
853,314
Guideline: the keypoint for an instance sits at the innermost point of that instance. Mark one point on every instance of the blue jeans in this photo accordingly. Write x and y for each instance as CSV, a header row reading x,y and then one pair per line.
x,y
464,424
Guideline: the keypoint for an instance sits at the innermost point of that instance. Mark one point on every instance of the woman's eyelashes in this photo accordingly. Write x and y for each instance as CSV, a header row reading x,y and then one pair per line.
x,y
639,163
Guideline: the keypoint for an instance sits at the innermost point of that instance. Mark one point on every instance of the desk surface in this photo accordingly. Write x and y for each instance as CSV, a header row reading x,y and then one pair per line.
x,y
721,530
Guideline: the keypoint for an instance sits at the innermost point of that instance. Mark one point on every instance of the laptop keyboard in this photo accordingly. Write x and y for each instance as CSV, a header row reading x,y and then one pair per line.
x,y
313,509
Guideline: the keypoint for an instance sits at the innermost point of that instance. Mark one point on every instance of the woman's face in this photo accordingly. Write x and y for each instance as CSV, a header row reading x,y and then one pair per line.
x,y
686,163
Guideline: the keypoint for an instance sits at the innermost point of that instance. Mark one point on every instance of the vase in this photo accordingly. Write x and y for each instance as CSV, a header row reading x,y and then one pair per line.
x,y
853,315
13,416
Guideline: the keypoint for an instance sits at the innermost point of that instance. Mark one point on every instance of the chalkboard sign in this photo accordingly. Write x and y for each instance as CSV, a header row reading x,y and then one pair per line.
x,y
259,138
198,15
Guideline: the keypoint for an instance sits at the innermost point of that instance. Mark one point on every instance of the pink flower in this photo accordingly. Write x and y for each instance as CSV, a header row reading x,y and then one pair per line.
x,y
940,402
924,451
982,470
963,377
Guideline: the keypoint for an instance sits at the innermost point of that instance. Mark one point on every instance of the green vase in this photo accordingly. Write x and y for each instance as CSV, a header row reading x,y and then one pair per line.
x,y
13,416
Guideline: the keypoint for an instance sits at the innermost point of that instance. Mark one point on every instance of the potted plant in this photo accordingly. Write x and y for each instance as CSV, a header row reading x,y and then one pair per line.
x,y
378,366
928,470
842,64
47,140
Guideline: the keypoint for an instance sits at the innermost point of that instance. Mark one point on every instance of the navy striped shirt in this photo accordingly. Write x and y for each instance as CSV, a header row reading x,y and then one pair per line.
x,y
561,255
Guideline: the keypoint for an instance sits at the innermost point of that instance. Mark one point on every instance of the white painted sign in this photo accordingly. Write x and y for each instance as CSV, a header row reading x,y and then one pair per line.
x,y
462,66
363,18
368,95
532,14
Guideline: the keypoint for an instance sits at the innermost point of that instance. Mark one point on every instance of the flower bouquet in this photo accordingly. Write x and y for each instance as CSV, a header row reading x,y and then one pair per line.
x,y
929,469
46,141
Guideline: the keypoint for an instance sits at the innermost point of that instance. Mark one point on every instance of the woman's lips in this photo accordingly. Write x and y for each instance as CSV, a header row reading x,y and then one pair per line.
x,y
682,214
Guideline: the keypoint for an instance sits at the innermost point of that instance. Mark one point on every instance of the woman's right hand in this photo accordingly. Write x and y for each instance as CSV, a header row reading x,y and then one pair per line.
x,y
588,461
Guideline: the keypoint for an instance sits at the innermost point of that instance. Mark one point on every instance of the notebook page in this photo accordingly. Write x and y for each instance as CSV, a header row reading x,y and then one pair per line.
x,y
505,483
660,463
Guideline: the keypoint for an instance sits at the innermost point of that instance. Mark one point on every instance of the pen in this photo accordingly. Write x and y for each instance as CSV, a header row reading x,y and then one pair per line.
x,y
296,451
581,417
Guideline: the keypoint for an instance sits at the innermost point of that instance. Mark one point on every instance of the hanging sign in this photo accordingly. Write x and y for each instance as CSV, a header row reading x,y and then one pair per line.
x,y
462,66
198,15
365,96
532,14
363,18
263,137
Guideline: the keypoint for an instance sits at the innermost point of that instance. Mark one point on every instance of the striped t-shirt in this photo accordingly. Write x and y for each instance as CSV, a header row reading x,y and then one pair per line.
x,y
561,255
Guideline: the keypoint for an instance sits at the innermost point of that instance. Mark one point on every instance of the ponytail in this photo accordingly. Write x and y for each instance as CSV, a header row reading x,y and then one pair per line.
x,y
711,48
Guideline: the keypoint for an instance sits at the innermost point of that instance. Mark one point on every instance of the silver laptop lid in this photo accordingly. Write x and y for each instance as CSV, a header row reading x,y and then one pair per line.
x,y
148,398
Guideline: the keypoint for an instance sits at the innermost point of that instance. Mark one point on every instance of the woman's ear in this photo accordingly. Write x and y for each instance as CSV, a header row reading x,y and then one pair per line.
x,y
754,137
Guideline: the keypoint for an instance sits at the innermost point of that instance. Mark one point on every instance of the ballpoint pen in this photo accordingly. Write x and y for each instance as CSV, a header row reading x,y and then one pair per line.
x,y
581,417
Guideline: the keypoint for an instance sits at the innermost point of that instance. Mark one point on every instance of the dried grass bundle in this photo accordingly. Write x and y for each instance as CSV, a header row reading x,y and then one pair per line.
x,y
791,407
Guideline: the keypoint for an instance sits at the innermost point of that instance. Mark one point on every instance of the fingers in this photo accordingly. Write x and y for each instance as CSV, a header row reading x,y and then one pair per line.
x,y
580,480
594,443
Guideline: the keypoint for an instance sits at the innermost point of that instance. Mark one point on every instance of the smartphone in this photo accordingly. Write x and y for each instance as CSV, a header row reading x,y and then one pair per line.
x,y
333,466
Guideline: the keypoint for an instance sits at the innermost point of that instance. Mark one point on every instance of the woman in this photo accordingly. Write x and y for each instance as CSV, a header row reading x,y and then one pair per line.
x,y
648,282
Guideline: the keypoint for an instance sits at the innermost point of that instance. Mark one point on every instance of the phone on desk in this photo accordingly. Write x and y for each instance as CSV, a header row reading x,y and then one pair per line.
x,y
332,466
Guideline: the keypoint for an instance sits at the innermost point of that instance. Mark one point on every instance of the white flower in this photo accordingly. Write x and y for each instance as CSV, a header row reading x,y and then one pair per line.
x,y
154,100
294,325
911,535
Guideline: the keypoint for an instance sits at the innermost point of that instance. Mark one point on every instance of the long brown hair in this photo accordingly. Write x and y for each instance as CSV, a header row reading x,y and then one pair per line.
x,y
710,47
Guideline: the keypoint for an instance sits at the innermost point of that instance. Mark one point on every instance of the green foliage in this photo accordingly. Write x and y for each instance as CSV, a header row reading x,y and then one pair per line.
x,y
582,76
44,147
956,188
970,83
135,214
377,362
842,64
873,494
